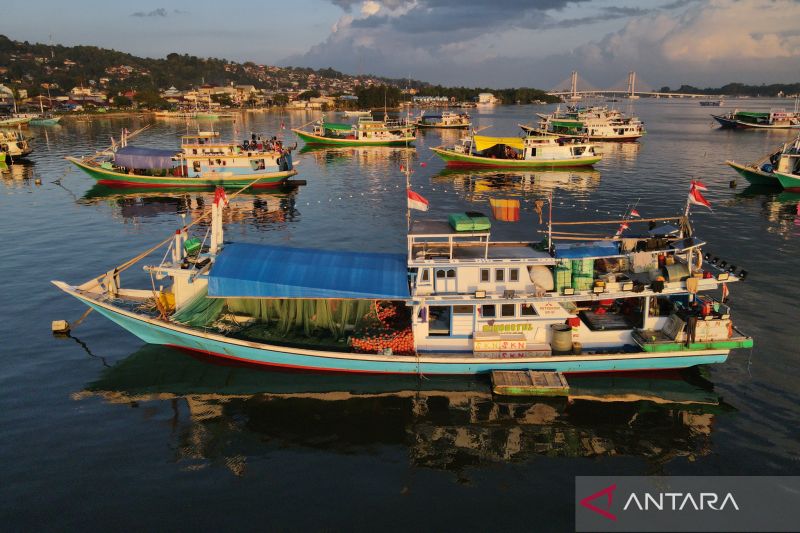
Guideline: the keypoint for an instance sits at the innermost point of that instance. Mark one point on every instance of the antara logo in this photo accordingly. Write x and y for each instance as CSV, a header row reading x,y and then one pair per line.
x,y
678,501
608,492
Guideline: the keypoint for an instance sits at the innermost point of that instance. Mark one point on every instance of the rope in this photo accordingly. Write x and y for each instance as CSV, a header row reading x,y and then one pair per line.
x,y
132,261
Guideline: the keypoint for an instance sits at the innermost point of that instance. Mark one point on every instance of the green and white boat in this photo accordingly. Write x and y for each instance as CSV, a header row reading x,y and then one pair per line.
x,y
766,170
366,132
535,151
202,161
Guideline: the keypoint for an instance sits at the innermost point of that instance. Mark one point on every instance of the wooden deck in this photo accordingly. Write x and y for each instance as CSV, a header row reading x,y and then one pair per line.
x,y
529,383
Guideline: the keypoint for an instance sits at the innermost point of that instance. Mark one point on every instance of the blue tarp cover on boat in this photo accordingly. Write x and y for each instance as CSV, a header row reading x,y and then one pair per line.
x,y
245,270
592,249
137,157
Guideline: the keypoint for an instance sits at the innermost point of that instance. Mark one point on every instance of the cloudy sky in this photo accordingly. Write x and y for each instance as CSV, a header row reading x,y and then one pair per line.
x,y
495,43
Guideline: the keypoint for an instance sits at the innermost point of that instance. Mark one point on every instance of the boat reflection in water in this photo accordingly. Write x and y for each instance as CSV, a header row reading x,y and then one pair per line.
x,y
372,158
17,175
482,184
254,207
619,152
781,208
227,415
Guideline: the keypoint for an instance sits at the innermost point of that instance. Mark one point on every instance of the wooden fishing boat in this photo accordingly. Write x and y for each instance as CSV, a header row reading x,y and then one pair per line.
x,y
15,144
454,303
518,152
14,121
444,120
765,170
366,132
202,161
759,120
711,103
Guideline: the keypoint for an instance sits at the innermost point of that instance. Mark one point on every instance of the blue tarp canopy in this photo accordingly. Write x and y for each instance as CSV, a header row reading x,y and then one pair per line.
x,y
136,157
264,271
591,249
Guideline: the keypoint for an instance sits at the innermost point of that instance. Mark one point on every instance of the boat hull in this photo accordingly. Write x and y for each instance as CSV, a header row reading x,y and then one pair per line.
x,y
156,331
310,138
633,137
45,121
754,175
117,179
790,182
455,159
726,122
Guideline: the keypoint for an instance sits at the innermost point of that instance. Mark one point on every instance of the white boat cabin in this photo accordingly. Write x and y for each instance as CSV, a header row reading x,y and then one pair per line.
x,y
472,294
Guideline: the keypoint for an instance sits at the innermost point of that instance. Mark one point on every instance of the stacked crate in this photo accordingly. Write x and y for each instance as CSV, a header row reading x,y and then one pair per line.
x,y
582,274
562,275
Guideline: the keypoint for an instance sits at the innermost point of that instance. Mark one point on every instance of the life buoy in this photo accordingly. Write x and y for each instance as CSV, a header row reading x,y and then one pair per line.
x,y
699,265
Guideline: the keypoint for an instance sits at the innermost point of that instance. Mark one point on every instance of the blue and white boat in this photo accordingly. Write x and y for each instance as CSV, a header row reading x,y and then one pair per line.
x,y
457,302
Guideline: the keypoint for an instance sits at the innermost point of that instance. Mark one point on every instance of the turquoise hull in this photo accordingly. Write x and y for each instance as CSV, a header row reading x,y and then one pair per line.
x,y
157,332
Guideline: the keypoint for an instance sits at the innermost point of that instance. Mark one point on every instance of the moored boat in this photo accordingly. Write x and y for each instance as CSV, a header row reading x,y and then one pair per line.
x,y
763,171
773,119
365,132
533,151
15,144
455,303
444,120
203,160
593,123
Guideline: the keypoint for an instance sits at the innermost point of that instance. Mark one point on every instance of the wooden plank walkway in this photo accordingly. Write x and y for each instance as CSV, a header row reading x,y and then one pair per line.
x,y
529,383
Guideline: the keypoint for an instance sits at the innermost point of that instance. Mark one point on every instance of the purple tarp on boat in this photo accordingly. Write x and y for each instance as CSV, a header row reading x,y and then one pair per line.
x,y
136,157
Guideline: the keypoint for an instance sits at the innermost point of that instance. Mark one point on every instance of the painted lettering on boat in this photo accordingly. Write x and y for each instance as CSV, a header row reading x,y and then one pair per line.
x,y
507,327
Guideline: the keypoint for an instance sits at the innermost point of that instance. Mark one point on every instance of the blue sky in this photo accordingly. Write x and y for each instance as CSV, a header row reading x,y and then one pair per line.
x,y
495,43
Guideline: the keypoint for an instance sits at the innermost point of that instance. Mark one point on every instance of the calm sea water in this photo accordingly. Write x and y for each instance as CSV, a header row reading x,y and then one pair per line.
x,y
101,431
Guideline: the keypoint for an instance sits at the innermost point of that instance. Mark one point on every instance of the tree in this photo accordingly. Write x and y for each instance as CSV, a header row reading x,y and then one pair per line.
x,y
121,101
308,95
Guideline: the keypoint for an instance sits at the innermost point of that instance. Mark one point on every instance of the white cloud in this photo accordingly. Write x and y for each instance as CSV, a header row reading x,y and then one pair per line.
x,y
496,44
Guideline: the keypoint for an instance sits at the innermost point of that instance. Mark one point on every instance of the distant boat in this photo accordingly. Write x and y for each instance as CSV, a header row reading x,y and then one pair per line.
x,y
598,123
14,121
773,119
202,161
711,103
518,152
444,120
356,114
366,132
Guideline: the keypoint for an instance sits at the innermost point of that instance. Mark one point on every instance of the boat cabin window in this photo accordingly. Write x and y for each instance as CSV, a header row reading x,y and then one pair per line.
x,y
513,274
527,310
196,166
257,164
488,311
463,309
499,274
508,310
533,152
485,275
425,276
439,320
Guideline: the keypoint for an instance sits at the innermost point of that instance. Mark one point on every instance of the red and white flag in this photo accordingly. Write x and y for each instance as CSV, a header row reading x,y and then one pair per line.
x,y
622,227
417,201
697,184
696,197
725,293
220,197
635,213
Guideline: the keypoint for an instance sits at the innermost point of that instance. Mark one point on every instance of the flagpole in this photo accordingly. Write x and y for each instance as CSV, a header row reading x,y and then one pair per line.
x,y
550,224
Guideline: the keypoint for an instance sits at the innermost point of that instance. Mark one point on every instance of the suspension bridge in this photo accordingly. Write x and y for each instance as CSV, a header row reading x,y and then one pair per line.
x,y
575,88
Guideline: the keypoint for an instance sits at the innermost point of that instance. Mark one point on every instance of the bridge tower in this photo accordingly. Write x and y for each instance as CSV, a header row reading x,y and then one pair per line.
x,y
631,83
574,85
